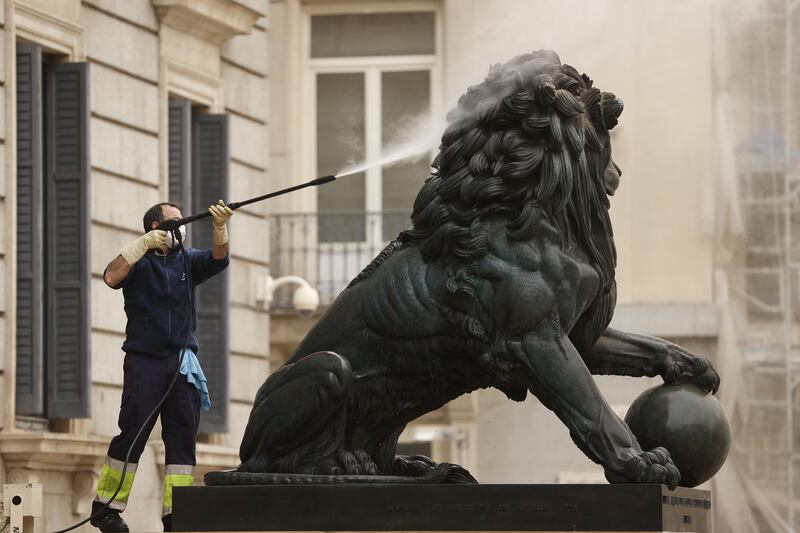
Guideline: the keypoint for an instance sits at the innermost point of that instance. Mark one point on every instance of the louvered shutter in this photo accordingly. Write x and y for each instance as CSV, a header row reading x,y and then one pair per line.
x,y
30,274
210,183
67,184
180,127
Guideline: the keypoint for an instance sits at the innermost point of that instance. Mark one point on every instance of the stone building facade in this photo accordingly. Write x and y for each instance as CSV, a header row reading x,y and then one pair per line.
x,y
168,101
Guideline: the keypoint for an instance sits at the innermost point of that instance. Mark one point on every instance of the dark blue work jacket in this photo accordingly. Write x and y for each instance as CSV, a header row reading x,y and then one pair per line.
x,y
156,294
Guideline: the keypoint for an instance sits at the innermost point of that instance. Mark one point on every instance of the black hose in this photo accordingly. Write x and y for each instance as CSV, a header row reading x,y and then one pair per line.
x,y
188,272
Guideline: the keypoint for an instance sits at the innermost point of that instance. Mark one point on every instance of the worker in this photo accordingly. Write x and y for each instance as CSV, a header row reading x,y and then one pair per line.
x,y
161,324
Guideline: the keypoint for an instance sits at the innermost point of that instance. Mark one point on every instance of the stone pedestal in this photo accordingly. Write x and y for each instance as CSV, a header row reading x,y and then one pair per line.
x,y
441,508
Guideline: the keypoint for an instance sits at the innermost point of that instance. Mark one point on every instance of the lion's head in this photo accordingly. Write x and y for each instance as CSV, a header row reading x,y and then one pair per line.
x,y
531,141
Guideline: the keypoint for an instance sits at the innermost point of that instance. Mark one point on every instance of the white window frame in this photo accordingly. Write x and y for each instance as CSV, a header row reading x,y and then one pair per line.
x,y
372,67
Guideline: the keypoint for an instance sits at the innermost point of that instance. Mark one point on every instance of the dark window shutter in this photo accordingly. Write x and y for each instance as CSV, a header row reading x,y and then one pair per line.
x,y
180,128
30,272
67,200
210,183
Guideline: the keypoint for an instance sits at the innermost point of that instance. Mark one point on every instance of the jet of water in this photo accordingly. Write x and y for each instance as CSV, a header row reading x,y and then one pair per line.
x,y
394,155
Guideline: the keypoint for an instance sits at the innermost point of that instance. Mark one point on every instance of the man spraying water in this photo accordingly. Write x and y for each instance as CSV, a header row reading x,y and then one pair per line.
x,y
149,306
153,277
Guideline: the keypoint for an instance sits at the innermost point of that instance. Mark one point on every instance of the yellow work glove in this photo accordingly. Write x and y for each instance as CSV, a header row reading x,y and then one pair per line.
x,y
134,250
220,213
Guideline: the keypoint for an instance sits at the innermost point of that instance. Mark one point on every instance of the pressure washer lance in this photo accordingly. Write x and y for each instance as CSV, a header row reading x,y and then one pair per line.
x,y
173,224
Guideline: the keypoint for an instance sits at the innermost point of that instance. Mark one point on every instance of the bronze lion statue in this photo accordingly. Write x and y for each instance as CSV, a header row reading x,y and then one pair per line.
x,y
505,279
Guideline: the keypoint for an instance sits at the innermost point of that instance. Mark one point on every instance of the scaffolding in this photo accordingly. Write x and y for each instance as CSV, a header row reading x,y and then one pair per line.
x,y
768,280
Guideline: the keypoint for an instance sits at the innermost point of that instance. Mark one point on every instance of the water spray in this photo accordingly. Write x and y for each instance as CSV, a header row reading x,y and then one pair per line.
x,y
390,156
393,156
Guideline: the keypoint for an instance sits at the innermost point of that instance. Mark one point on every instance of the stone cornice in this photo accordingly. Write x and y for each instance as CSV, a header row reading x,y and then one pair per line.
x,y
61,452
212,20
30,455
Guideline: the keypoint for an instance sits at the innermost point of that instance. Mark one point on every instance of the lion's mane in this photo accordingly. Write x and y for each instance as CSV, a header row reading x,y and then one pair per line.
x,y
531,142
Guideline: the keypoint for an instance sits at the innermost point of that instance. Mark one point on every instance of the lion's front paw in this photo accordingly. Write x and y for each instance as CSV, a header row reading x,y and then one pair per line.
x,y
655,466
688,368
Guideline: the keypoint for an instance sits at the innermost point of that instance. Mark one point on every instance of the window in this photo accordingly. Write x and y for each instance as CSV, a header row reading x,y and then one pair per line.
x,y
198,177
52,230
373,79
376,34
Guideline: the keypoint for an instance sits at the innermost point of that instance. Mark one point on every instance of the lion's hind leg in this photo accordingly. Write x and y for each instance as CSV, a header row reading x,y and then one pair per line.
x,y
562,382
297,424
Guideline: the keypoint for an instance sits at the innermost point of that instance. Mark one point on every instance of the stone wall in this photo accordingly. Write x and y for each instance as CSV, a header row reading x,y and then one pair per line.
x,y
122,47
6,215
136,62
5,272
245,69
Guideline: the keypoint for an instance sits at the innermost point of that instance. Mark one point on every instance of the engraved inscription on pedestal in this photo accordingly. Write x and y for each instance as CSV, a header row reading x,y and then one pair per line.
x,y
686,512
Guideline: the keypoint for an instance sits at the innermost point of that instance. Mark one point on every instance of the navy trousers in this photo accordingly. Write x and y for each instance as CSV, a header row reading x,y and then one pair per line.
x,y
146,379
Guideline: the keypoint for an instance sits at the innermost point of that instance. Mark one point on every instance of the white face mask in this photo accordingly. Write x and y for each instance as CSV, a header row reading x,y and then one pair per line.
x,y
171,242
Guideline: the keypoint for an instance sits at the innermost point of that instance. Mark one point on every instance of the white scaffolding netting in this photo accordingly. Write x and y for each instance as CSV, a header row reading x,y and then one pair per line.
x,y
755,218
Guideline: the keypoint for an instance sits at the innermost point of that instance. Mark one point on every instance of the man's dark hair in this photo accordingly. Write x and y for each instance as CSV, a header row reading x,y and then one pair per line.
x,y
156,214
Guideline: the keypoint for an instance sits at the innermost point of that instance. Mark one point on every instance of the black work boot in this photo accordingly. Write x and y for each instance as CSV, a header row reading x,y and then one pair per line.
x,y
167,521
109,521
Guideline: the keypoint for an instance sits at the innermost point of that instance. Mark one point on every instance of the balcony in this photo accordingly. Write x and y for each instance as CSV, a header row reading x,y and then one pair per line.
x,y
328,249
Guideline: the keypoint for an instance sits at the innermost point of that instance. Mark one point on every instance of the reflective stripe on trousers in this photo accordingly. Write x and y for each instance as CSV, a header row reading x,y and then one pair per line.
x,y
175,476
110,476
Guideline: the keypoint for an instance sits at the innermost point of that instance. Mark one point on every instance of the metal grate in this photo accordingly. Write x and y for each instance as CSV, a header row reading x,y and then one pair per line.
x,y
328,249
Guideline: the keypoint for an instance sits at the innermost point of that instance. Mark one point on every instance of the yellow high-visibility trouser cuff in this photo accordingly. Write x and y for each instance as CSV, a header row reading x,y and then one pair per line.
x,y
110,476
175,480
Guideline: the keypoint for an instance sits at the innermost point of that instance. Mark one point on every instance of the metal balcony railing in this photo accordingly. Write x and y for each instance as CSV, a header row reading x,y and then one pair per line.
x,y
328,248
